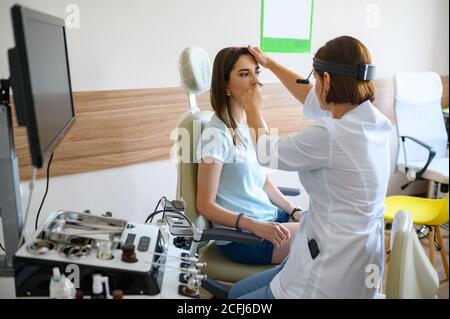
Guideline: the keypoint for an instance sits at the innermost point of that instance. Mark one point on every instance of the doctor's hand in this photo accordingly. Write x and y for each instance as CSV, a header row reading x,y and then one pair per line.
x,y
260,57
274,232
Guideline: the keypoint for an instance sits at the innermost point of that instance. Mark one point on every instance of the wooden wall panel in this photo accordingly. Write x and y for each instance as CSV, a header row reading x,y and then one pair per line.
x,y
123,127
445,91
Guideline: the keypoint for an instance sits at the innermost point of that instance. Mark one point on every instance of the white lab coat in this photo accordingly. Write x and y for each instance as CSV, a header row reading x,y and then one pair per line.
x,y
343,165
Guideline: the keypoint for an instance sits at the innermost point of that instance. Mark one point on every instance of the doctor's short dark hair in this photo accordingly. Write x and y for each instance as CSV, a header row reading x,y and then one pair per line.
x,y
343,88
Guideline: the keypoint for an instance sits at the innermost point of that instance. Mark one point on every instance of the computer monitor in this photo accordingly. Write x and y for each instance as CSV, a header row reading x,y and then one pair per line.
x,y
40,80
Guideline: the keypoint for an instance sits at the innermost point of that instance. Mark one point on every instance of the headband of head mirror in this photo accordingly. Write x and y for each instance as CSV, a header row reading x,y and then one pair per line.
x,y
363,72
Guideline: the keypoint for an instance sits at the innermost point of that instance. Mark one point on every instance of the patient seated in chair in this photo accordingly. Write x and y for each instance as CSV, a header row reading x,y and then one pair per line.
x,y
233,190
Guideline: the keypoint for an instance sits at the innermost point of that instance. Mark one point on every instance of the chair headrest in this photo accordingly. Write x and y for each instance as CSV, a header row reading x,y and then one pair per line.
x,y
195,70
418,87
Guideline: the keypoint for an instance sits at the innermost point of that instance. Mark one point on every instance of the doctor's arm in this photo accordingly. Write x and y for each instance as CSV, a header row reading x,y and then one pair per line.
x,y
286,76
276,197
208,178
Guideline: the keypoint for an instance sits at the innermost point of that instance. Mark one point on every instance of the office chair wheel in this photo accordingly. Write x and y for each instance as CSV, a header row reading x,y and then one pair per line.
x,y
422,231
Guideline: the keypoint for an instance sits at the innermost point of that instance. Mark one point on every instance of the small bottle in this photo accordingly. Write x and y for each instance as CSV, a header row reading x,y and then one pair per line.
x,y
60,286
104,250
97,287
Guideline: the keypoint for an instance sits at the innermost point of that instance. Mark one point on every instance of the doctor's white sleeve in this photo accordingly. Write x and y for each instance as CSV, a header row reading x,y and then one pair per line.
x,y
308,150
312,107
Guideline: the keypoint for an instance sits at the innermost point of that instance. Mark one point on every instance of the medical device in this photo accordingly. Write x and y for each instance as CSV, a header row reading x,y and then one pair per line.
x,y
364,72
82,246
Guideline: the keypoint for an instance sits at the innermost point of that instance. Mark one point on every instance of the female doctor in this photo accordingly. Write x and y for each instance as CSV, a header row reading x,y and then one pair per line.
x,y
343,162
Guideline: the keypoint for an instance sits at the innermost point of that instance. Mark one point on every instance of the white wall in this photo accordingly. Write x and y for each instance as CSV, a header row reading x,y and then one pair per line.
x,y
135,44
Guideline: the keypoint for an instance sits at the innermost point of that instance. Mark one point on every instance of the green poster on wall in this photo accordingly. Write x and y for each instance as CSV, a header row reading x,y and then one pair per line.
x,y
286,25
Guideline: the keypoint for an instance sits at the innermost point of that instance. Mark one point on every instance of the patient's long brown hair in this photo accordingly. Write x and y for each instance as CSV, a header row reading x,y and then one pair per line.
x,y
220,102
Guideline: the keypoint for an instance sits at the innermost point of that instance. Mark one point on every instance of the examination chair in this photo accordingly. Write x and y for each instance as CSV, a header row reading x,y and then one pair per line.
x,y
410,274
421,129
195,72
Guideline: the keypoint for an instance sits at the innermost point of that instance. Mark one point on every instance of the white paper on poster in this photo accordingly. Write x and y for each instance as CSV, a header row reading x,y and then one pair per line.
x,y
290,19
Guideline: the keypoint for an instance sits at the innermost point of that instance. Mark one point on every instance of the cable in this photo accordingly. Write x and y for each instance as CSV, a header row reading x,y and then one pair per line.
x,y
164,208
156,207
1,247
153,214
159,202
46,191
150,217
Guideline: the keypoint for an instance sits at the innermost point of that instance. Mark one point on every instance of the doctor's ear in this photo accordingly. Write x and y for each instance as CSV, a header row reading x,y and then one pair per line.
x,y
326,82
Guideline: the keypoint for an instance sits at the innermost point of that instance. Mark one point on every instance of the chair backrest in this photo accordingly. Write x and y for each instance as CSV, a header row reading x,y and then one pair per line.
x,y
442,217
195,73
410,273
418,113
190,129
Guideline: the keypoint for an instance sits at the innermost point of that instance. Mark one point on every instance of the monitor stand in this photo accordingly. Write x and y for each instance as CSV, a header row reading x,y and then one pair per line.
x,y
10,199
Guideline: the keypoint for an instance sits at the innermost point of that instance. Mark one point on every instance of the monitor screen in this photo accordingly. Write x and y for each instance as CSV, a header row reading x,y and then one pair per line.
x,y
40,79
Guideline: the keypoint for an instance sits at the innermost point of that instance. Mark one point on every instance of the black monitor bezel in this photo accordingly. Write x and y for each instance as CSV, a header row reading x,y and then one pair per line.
x,y
22,87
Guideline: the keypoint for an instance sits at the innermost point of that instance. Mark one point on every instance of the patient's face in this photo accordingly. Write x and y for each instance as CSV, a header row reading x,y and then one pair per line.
x,y
243,77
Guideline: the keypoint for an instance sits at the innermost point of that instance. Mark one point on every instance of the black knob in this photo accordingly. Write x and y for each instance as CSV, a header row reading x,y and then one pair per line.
x,y
107,214
128,253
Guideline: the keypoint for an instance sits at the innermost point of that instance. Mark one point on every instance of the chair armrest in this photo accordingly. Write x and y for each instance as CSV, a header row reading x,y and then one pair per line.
x,y
289,191
421,143
217,289
431,154
239,236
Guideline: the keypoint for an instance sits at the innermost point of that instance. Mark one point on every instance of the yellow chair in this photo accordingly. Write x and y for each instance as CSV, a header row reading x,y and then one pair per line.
x,y
424,211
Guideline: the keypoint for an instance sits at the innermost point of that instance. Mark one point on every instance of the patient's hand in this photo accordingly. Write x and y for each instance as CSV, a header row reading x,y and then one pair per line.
x,y
252,102
274,232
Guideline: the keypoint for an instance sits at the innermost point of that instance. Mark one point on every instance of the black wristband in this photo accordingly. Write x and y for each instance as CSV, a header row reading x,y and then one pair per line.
x,y
296,209
237,220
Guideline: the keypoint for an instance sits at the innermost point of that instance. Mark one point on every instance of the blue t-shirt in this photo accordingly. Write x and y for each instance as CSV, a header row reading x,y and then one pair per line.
x,y
242,178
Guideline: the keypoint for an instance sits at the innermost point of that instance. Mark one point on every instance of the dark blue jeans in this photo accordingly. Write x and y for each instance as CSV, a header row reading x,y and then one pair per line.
x,y
256,286
256,254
